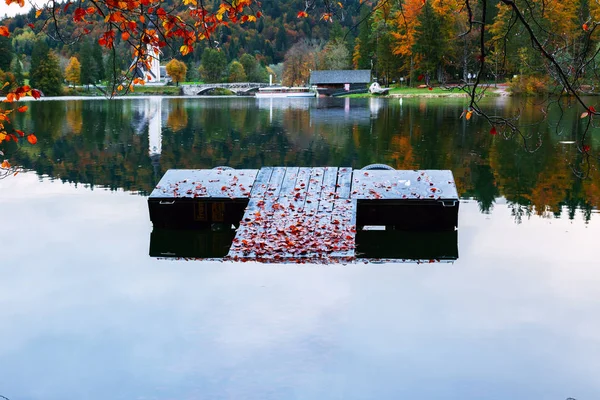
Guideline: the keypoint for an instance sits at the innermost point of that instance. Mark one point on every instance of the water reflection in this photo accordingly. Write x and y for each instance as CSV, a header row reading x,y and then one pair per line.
x,y
130,143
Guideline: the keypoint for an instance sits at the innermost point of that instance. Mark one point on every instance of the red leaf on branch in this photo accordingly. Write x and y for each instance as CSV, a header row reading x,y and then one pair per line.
x,y
302,14
585,27
592,109
32,139
22,109
36,94
585,148
4,31
493,131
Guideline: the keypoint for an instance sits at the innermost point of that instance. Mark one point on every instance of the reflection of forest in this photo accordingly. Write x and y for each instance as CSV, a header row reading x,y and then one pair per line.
x,y
129,144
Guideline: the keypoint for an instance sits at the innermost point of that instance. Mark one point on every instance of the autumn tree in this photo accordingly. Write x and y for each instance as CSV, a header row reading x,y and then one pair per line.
x,y
73,71
237,72
177,70
298,62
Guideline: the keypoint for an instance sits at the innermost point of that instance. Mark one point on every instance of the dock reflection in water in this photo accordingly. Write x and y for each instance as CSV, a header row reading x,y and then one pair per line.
x,y
371,244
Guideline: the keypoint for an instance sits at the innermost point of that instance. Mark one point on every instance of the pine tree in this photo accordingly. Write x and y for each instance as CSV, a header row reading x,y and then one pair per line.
x,y
47,75
429,44
6,53
364,49
38,54
18,71
89,69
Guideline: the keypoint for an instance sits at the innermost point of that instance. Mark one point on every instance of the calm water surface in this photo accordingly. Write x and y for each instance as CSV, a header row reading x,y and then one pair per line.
x,y
87,314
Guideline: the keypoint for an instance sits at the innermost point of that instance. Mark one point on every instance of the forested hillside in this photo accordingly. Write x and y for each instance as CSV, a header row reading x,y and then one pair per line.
x,y
426,39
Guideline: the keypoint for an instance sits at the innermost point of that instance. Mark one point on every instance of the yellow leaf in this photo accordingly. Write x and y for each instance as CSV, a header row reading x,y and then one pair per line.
x,y
5,164
340,4
38,13
120,87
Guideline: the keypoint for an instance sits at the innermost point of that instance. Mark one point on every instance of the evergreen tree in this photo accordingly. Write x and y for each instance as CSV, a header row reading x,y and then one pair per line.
x,y
6,53
364,49
97,55
47,75
89,69
429,44
18,71
38,54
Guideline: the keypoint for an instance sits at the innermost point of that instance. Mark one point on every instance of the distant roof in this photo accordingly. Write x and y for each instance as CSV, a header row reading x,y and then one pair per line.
x,y
340,76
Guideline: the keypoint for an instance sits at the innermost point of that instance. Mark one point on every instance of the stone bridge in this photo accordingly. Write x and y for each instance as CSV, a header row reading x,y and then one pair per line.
x,y
237,88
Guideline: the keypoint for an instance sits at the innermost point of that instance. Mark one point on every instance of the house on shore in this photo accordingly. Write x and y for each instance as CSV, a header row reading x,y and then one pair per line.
x,y
340,82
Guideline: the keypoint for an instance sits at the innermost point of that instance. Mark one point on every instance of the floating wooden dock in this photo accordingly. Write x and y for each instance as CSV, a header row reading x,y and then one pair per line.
x,y
290,214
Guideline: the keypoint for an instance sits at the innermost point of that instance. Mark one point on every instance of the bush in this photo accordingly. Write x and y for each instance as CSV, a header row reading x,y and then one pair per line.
x,y
529,85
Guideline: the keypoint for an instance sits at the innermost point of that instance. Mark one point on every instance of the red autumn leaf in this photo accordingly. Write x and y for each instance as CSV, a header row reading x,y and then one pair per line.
x,y
420,77
430,88
493,131
32,139
22,109
79,14
31,25
585,27
20,133
125,36
4,31
36,94
302,14
592,109
585,148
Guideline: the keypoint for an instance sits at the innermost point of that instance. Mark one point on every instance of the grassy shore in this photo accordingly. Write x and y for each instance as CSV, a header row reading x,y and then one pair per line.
x,y
425,92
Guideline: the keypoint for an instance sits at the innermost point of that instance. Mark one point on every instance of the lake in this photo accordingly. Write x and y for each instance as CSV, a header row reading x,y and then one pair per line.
x,y
88,314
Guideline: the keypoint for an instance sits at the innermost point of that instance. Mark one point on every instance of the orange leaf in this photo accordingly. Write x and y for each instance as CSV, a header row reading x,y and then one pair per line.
x,y
468,115
22,109
585,27
38,13
125,36
302,14
20,133
32,139
4,31
5,164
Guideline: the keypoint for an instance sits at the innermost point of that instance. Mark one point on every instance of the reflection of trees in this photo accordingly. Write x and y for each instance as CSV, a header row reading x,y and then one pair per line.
x,y
177,118
94,143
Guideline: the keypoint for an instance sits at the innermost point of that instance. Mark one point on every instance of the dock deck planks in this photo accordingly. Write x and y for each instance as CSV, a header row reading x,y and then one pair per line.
x,y
303,221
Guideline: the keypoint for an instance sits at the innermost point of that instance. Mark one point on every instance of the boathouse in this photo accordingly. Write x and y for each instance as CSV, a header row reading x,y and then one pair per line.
x,y
339,82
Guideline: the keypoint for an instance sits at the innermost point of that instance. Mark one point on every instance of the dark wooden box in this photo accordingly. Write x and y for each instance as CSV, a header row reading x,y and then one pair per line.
x,y
187,199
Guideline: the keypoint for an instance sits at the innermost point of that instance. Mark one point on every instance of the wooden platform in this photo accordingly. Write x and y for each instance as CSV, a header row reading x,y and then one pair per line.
x,y
290,214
